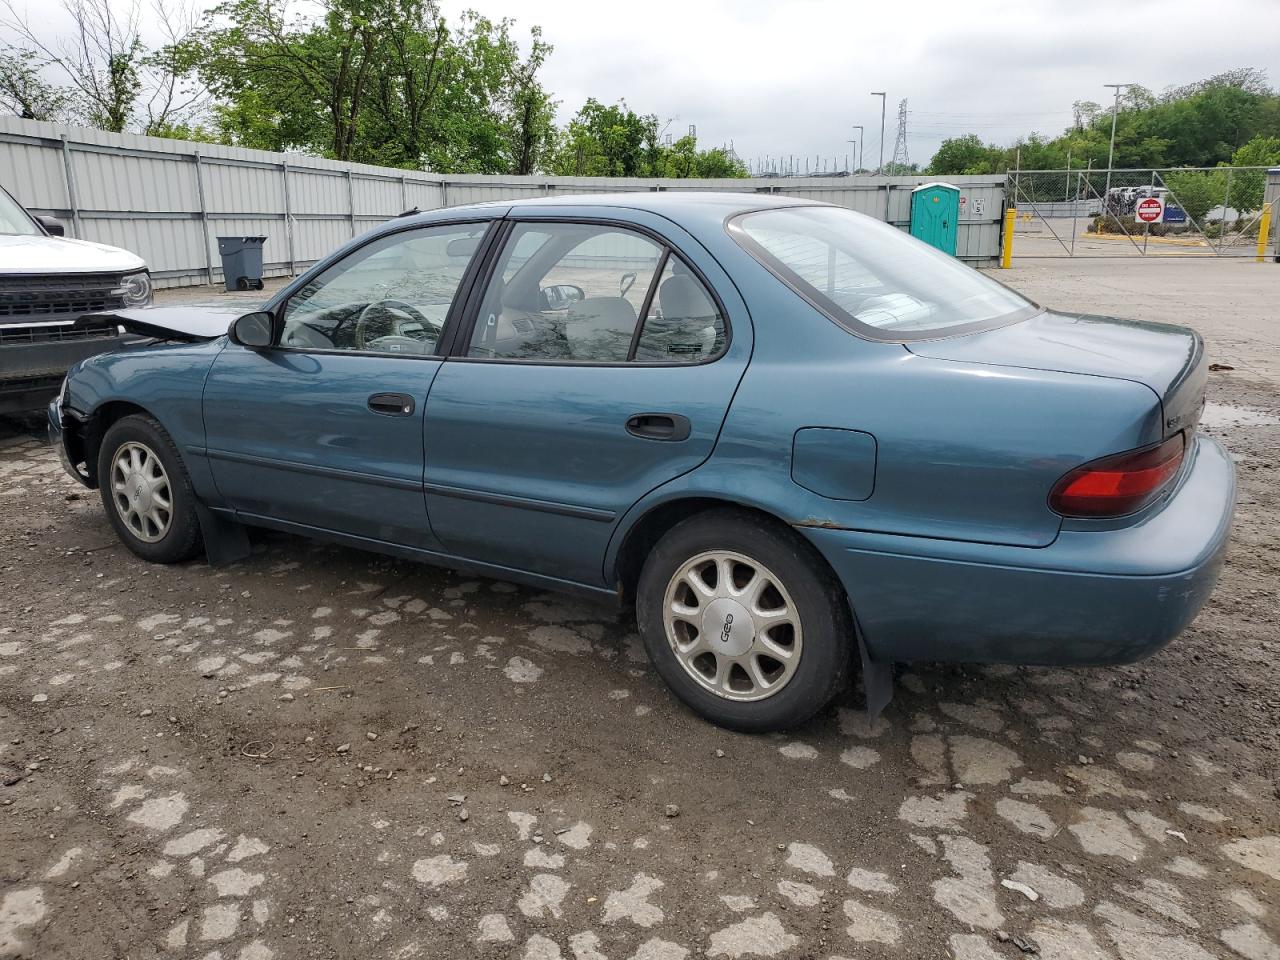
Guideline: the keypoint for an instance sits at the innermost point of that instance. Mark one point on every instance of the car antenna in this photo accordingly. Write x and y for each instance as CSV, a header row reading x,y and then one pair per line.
x,y
407,213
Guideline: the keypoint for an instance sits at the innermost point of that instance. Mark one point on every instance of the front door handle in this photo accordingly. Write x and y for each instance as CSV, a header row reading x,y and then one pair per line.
x,y
659,426
392,404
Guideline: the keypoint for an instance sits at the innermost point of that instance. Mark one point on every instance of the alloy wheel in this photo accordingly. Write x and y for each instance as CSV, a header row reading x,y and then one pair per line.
x,y
141,492
732,625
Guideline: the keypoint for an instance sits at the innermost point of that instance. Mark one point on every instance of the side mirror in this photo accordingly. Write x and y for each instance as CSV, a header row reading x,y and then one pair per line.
x,y
560,296
52,226
253,330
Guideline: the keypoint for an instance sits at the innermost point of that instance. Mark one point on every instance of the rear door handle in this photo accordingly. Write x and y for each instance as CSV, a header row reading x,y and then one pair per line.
x,y
392,404
659,426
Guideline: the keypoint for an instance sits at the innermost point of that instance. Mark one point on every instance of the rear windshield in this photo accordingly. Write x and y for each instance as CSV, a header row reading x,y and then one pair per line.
x,y
872,278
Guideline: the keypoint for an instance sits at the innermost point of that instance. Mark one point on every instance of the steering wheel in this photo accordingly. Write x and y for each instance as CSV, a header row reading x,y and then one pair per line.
x,y
391,307
625,283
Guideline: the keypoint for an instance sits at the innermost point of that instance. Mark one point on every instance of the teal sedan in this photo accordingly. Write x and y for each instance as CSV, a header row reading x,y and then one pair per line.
x,y
800,444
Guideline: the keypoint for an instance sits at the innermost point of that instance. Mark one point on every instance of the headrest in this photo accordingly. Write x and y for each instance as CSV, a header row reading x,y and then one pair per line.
x,y
681,297
612,313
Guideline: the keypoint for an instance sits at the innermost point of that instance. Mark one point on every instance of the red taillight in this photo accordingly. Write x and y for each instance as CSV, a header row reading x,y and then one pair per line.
x,y
1120,484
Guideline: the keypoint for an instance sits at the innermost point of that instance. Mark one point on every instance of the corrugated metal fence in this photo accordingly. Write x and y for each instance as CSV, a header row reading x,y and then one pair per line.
x,y
168,200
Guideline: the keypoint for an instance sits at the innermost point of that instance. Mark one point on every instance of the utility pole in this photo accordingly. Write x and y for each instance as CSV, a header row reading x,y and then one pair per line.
x,y
1111,153
858,127
881,94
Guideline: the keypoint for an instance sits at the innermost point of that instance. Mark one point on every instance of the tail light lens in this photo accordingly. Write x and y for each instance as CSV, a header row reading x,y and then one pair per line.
x,y
1119,484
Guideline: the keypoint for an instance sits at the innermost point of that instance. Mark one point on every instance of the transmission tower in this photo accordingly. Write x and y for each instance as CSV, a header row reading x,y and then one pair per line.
x,y
900,160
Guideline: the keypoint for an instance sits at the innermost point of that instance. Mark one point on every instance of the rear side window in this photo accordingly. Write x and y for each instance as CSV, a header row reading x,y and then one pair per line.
x,y
584,293
872,278
683,324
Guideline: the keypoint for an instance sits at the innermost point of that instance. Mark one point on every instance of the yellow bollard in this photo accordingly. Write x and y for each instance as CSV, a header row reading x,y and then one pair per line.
x,y
1006,247
1264,227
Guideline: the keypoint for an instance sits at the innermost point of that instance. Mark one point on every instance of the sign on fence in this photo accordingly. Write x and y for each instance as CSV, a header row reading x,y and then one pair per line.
x,y
1149,210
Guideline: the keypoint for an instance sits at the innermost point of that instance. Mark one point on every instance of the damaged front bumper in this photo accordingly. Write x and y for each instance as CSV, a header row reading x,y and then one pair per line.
x,y
67,435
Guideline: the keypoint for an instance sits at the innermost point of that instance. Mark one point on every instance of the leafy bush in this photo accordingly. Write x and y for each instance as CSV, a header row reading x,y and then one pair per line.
x,y
1196,192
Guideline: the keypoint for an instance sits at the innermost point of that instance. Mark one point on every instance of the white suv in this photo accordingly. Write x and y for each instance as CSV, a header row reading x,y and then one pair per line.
x,y
47,283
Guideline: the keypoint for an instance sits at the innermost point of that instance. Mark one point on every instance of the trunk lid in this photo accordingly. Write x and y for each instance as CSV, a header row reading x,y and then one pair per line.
x,y
1166,358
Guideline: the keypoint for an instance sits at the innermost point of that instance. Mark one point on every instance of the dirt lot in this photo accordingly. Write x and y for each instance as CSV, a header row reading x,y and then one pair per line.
x,y
320,753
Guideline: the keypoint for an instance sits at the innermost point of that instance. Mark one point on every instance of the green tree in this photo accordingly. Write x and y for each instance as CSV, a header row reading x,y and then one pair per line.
x,y
529,129
25,92
110,78
720,162
390,82
1196,192
615,141
609,141
961,155
1249,186
1201,124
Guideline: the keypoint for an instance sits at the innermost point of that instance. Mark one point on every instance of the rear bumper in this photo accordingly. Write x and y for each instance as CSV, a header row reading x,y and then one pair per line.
x,y
1094,596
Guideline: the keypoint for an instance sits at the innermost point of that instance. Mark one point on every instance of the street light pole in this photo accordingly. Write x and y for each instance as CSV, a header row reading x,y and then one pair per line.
x,y
881,95
1115,113
858,127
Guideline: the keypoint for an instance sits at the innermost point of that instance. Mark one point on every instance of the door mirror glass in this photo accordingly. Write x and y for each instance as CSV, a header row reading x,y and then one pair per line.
x,y
53,226
253,330
561,295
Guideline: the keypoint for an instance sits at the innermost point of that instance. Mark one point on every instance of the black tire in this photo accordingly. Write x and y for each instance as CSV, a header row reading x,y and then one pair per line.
x,y
242,283
180,540
826,624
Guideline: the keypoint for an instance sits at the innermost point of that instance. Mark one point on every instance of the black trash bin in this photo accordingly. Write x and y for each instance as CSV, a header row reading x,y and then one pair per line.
x,y
242,262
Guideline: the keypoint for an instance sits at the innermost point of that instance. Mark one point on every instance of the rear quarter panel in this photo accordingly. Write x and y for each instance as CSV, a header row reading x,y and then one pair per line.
x,y
964,451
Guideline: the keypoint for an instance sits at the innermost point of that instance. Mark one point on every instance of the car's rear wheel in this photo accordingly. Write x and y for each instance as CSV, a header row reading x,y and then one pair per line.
x,y
744,621
146,491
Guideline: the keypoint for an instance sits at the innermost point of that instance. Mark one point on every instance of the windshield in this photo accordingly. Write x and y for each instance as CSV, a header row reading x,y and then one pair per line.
x,y
14,220
872,278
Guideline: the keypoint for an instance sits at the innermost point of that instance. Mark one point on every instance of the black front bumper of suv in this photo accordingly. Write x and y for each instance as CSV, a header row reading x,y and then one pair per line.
x,y
42,334
33,360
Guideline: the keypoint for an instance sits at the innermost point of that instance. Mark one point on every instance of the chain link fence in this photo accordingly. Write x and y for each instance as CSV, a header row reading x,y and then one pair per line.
x,y
1187,211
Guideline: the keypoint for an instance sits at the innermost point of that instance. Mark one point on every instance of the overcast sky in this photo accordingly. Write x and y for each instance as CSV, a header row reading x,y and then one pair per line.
x,y
793,77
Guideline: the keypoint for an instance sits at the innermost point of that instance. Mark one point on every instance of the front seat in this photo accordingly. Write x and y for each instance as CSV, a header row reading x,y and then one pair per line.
x,y
600,328
690,324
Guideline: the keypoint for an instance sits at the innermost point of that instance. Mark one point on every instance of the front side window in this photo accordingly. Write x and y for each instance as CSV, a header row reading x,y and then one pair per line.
x,y
390,296
872,278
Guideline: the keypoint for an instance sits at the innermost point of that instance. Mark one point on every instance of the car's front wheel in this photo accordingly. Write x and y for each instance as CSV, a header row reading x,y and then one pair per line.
x,y
744,621
146,491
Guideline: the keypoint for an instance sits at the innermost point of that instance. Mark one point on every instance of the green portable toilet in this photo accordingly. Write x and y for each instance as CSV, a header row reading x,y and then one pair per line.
x,y
935,210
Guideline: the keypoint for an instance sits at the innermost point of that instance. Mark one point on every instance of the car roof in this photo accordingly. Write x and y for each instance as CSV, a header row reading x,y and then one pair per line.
x,y
658,201
701,212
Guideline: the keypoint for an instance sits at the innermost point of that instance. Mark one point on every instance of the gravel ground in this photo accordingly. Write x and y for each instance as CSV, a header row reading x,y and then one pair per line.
x,y
321,753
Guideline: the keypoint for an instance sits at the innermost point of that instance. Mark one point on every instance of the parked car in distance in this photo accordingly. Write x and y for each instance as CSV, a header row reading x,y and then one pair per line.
x,y
793,437
47,284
